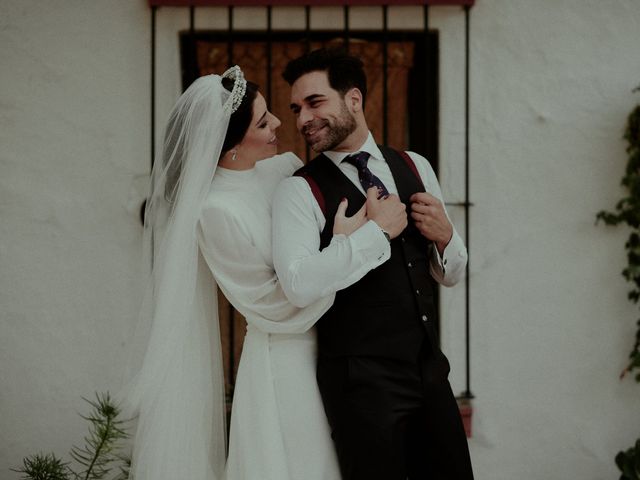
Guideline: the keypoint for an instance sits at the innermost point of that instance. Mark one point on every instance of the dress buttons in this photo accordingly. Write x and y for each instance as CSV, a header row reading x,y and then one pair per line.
x,y
424,318
417,292
409,265
444,262
403,240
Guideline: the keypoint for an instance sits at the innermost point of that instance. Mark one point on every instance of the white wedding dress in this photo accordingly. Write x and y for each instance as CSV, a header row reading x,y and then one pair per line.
x,y
278,426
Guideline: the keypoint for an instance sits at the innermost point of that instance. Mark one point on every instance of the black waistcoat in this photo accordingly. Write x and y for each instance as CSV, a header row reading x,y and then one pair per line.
x,y
389,311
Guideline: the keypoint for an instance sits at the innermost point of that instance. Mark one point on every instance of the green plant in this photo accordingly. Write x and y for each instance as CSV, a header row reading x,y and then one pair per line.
x,y
629,462
44,467
100,458
627,211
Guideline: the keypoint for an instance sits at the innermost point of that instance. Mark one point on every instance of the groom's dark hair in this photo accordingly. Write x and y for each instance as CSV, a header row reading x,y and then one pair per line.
x,y
344,71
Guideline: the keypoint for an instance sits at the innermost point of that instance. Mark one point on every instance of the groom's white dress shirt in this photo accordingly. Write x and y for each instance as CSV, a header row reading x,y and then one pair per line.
x,y
306,273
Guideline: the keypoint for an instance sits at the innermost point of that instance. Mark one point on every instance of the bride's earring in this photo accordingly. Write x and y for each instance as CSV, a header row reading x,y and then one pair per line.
x,y
234,155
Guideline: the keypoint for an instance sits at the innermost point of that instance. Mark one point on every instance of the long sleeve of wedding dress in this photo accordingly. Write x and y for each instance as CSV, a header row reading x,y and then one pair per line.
x,y
278,427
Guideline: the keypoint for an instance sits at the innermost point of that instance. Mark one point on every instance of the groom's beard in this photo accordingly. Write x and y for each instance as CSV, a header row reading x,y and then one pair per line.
x,y
327,134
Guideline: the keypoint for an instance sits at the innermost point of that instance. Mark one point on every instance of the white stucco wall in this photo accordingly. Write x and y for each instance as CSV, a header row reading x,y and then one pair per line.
x,y
74,111
551,326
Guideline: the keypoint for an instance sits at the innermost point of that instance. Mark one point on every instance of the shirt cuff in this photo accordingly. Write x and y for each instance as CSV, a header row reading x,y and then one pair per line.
x,y
455,247
371,243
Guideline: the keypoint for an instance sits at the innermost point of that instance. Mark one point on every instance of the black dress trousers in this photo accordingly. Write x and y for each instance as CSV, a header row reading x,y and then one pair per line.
x,y
394,420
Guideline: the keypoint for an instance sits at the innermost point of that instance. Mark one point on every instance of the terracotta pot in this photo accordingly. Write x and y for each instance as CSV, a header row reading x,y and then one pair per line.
x,y
466,412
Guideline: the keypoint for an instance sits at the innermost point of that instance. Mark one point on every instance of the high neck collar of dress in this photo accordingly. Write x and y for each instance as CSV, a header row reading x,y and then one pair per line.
x,y
228,173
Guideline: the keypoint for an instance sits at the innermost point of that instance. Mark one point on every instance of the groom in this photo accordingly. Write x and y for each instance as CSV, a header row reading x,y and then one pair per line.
x,y
382,376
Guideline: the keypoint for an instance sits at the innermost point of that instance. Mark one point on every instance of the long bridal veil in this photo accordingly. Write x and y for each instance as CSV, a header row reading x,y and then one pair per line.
x,y
177,389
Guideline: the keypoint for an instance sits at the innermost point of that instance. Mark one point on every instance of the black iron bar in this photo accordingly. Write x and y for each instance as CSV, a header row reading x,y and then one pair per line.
x,y
153,84
307,28
269,55
153,119
193,67
458,204
230,36
231,310
425,11
307,49
347,26
385,66
467,10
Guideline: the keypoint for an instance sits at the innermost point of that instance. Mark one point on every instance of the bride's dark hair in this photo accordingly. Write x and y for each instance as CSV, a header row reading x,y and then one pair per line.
x,y
241,118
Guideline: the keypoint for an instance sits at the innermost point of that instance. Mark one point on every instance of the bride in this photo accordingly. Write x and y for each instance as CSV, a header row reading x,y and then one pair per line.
x,y
209,216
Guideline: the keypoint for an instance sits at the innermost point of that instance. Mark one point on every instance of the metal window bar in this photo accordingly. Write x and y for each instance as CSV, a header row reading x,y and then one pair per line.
x,y
347,35
154,10
385,76
231,310
346,26
307,48
307,27
467,281
269,56
230,33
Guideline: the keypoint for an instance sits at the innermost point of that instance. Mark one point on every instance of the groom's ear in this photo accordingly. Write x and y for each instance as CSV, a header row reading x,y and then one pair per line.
x,y
353,98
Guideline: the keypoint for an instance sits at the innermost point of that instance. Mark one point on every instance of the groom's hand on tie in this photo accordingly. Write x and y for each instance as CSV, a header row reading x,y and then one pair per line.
x,y
388,212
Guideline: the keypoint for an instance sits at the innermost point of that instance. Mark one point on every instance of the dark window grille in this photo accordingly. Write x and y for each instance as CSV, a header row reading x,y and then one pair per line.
x,y
420,88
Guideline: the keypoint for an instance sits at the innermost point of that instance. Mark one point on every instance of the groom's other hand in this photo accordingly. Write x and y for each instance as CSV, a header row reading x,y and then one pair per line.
x,y
428,213
389,212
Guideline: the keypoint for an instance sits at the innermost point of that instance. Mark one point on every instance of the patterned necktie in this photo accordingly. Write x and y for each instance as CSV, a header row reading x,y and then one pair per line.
x,y
367,179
